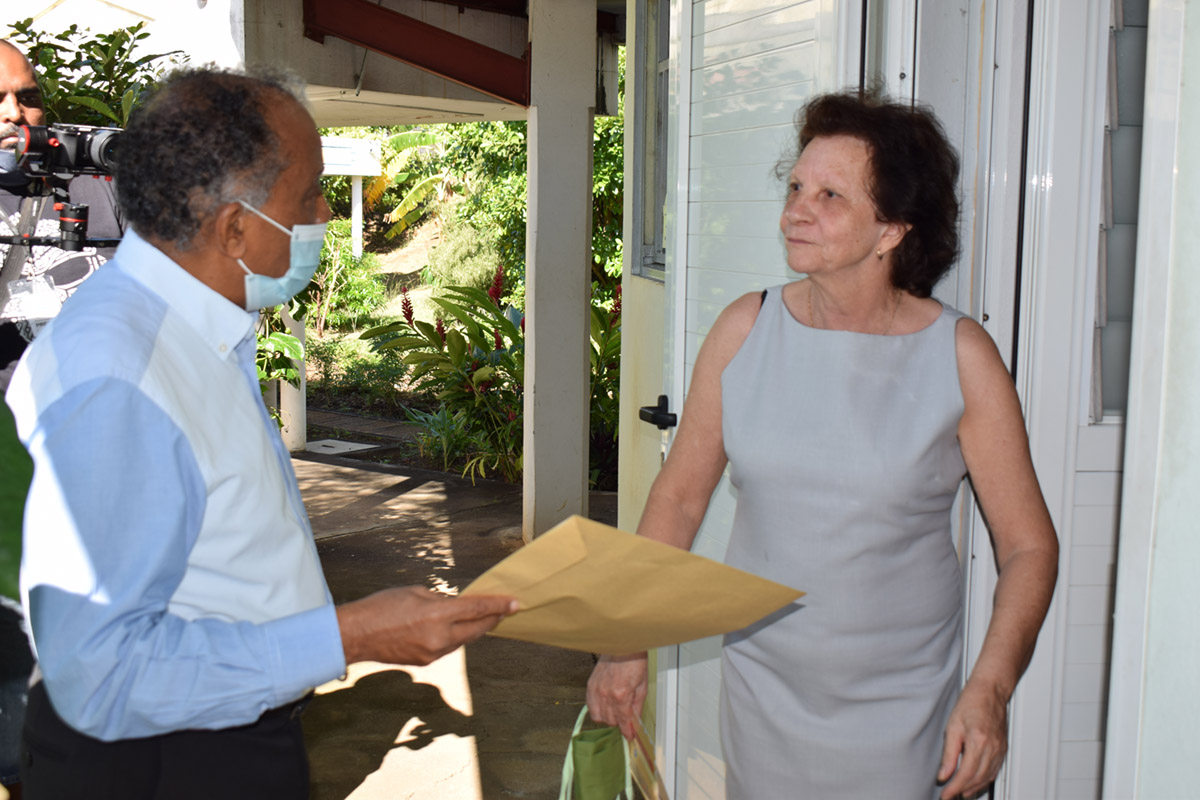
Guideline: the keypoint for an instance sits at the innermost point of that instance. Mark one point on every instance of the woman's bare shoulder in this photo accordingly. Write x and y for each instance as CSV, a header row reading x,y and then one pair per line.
x,y
982,374
739,316
975,345
733,326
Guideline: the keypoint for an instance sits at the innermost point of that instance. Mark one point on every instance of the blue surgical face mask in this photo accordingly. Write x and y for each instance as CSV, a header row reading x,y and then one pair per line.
x,y
264,291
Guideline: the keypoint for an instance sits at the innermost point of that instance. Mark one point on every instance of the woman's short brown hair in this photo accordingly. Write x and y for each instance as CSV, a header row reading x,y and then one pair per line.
x,y
914,176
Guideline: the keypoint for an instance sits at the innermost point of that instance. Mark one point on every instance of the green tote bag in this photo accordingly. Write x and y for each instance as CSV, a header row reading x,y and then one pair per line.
x,y
597,765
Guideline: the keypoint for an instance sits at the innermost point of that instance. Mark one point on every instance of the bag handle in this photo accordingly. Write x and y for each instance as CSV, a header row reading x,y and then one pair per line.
x,y
568,773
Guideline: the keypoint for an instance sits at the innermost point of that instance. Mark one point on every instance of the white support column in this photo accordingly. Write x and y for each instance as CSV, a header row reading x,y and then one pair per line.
x,y
557,261
356,215
293,407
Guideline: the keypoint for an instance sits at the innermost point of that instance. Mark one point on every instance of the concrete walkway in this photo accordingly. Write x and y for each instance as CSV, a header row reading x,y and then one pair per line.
x,y
490,721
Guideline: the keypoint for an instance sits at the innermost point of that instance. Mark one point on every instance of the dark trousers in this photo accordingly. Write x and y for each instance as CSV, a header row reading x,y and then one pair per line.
x,y
261,761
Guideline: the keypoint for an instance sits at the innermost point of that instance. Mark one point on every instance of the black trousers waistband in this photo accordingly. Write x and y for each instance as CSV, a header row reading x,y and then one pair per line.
x,y
265,759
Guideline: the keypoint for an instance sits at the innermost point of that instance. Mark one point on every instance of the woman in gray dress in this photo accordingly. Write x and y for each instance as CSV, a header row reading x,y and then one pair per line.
x,y
848,406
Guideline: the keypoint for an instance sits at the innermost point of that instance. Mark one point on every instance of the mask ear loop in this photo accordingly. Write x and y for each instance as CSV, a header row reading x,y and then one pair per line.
x,y
288,231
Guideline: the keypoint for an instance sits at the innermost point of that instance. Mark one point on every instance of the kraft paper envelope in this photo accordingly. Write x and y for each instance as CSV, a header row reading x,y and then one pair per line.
x,y
588,586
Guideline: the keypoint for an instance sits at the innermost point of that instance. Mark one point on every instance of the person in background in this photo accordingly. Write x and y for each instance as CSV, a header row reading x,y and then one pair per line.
x,y
178,609
24,209
848,406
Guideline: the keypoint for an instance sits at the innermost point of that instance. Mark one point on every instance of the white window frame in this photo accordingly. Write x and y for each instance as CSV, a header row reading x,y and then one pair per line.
x,y
651,131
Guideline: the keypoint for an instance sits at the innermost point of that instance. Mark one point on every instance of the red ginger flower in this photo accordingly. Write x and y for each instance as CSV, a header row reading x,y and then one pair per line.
x,y
499,340
406,306
497,287
441,329
616,309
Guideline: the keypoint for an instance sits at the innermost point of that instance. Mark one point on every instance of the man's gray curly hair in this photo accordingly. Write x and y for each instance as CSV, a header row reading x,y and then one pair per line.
x,y
201,141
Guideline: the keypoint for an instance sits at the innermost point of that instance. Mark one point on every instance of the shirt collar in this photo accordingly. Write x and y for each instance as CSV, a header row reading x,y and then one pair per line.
x,y
216,320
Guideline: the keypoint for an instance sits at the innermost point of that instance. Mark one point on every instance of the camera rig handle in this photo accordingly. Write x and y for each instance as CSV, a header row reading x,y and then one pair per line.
x,y
55,241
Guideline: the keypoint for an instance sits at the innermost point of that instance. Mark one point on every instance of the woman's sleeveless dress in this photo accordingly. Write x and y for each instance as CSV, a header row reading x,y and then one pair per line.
x,y
843,447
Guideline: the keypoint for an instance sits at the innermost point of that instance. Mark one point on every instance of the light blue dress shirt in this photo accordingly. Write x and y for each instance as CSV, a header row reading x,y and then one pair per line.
x,y
169,571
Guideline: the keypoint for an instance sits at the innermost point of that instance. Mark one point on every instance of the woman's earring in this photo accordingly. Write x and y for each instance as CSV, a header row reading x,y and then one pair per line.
x,y
880,254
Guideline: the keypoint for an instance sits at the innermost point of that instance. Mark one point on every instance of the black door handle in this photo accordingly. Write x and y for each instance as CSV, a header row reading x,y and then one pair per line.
x,y
658,415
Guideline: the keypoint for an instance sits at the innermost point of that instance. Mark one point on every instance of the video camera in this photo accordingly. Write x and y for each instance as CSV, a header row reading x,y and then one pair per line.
x,y
66,150
55,154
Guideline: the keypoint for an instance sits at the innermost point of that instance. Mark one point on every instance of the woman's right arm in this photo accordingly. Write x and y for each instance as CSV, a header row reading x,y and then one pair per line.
x,y
678,500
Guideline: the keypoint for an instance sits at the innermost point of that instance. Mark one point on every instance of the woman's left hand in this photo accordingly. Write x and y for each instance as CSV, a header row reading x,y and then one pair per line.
x,y
976,741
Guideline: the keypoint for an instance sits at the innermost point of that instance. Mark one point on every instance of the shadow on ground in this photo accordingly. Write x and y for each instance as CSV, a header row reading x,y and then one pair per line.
x,y
490,722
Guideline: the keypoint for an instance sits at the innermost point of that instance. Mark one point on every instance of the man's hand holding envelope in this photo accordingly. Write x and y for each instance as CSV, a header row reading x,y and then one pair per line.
x,y
588,586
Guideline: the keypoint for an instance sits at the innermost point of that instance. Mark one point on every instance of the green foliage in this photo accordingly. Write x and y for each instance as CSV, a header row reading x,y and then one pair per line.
x,y
279,353
476,371
443,435
413,163
345,289
345,374
474,367
90,79
605,410
463,257
493,156
608,180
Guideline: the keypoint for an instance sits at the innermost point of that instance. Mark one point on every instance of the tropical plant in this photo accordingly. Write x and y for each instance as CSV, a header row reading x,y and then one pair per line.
x,y
278,353
409,161
90,79
443,434
475,367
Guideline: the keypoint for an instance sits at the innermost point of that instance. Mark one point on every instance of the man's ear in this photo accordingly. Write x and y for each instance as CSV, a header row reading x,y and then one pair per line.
x,y
229,230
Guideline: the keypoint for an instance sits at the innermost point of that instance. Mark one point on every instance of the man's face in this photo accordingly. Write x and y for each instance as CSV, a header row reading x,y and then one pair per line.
x,y
295,199
20,97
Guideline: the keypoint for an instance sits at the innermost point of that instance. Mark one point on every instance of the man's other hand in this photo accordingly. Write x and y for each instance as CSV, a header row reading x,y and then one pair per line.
x,y
412,625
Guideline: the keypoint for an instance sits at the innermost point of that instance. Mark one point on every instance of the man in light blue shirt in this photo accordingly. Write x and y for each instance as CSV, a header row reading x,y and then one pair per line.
x,y
170,577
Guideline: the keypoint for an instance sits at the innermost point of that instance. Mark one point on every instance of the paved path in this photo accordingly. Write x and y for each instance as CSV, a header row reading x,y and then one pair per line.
x,y
490,721
358,423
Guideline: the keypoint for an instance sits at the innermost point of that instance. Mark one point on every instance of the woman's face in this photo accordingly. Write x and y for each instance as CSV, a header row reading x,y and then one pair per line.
x,y
829,220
